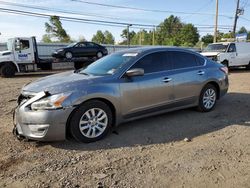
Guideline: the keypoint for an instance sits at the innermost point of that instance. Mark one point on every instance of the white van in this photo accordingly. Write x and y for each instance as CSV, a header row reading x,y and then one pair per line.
x,y
231,54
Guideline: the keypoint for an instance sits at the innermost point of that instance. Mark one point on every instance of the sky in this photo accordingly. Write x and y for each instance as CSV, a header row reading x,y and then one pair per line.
x,y
12,25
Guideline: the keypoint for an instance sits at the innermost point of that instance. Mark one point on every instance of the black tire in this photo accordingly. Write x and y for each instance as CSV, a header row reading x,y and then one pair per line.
x,y
99,55
202,105
68,55
248,66
46,66
78,65
78,115
225,63
8,70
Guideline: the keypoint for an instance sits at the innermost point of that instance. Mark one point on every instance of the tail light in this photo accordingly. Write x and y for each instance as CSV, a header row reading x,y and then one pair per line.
x,y
224,69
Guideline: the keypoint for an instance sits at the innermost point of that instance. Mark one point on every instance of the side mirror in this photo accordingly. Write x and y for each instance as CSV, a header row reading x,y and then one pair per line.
x,y
135,72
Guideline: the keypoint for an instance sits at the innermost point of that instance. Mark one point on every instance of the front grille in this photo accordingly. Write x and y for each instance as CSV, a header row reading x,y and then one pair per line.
x,y
214,58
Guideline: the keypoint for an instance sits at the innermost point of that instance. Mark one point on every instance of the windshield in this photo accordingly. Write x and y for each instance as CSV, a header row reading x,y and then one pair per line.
x,y
73,44
108,65
10,44
216,48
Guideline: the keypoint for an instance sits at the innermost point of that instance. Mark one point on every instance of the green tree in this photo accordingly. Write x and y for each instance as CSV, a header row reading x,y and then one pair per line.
x,y
46,38
124,35
109,38
54,28
142,37
99,37
167,32
207,39
189,35
228,35
242,30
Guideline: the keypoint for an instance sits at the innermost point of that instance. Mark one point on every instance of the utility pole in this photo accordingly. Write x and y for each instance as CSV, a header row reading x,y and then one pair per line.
x,y
154,36
140,37
128,35
237,12
216,21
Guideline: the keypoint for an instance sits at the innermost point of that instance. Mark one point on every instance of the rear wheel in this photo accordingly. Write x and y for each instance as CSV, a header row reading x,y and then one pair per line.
x,y
91,121
8,70
68,55
99,55
208,97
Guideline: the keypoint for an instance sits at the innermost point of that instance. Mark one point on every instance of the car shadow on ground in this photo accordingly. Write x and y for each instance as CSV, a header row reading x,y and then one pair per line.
x,y
232,109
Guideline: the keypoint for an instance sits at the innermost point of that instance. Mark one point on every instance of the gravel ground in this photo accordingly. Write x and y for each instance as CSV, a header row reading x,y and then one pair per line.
x,y
146,153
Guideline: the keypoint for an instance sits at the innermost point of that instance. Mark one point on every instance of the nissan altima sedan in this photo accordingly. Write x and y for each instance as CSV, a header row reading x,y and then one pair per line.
x,y
120,87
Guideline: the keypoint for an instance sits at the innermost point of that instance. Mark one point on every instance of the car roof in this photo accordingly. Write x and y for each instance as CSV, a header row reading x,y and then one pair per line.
x,y
148,49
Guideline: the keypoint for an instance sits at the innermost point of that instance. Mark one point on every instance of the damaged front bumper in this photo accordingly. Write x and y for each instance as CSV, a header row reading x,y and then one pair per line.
x,y
41,125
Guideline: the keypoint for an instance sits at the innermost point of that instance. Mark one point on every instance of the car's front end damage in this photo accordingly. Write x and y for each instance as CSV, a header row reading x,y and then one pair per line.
x,y
41,116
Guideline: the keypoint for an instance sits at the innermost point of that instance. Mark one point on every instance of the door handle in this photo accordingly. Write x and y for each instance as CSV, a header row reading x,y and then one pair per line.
x,y
201,72
167,79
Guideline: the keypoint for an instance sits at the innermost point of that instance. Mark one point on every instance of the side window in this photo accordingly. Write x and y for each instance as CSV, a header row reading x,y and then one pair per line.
x,y
90,44
200,61
183,60
24,44
154,62
79,45
232,48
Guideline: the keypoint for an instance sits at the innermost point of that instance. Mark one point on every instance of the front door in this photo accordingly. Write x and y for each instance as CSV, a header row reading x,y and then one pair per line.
x,y
24,52
150,92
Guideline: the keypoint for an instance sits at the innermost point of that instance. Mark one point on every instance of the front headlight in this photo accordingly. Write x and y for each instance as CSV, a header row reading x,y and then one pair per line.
x,y
50,103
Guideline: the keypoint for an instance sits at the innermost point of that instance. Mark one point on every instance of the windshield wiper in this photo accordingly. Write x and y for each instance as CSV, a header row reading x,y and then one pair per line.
x,y
84,73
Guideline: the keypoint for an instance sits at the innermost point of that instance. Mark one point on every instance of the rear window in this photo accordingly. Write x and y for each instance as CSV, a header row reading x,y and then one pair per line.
x,y
184,60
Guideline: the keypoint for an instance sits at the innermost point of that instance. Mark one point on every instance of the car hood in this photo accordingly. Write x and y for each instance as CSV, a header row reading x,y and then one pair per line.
x,y
210,53
59,83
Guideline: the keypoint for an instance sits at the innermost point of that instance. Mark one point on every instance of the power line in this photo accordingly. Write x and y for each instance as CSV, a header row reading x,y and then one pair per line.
x,y
93,21
147,10
57,10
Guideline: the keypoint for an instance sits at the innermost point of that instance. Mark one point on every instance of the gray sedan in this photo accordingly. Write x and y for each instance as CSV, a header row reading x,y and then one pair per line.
x,y
120,87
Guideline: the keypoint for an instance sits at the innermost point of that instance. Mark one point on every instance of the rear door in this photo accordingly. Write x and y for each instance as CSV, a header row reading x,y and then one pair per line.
x,y
150,92
92,48
189,76
242,54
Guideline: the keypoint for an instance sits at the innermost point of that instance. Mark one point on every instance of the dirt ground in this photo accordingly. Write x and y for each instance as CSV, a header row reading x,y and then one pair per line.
x,y
146,153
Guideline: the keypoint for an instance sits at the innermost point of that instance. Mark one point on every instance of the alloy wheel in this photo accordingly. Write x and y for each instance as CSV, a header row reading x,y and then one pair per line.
x,y
209,98
93,123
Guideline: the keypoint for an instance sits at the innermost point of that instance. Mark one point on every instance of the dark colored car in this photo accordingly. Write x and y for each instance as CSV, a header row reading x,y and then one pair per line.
x,y
81,49
120,87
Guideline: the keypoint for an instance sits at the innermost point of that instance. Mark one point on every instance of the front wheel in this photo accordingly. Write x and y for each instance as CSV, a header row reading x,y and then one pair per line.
x,y
8,70
208,97
68,55
91,121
